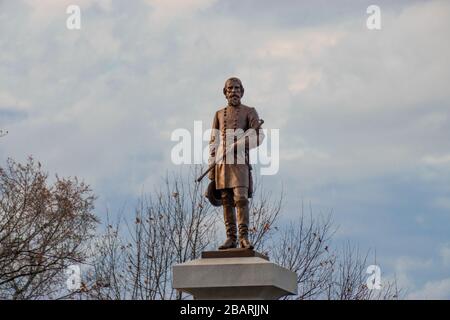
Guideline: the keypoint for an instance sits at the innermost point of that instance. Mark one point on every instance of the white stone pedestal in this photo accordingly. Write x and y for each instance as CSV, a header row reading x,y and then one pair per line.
x,y
232,275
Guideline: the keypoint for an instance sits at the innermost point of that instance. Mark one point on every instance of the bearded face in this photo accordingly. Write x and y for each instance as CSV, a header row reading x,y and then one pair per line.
x,y
233,93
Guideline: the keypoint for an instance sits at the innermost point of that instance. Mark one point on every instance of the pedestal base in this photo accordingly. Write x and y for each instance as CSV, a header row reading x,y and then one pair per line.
x,y
234,274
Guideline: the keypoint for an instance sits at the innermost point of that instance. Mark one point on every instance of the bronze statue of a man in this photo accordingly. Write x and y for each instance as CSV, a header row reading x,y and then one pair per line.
x,y
233,180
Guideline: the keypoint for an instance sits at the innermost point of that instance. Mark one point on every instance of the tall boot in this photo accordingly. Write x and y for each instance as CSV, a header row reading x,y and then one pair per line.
x,y
230,227
243,217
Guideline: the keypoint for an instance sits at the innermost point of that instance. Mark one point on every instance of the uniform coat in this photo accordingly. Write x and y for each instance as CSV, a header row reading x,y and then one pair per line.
x,y
237,174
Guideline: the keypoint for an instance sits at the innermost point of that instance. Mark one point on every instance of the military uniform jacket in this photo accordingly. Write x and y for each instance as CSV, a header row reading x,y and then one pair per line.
x,y
237,174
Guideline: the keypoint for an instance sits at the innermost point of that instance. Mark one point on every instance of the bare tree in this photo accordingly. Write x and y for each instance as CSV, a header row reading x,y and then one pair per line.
x,y
264,214
134,257
348,280
173,226
304,247
43,229
324,272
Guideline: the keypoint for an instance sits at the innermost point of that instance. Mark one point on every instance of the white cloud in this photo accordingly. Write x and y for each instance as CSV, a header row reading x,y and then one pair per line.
x,y
408,263
436,290
379,103
167,11
442,203
436,160
338,86
445,254
332,85
10,102
405,269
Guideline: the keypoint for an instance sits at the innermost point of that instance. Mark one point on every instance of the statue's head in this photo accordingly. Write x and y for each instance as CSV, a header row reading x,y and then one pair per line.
x,y
233,91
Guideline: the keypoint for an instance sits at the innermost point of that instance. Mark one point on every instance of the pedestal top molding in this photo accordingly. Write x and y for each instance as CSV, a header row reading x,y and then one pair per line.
x,y
233,253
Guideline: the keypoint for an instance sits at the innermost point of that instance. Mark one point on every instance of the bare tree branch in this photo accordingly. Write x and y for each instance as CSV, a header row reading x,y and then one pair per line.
x,y
43,229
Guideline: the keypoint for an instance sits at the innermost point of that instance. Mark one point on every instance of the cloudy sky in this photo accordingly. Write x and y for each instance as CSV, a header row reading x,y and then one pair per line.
x,y
364,115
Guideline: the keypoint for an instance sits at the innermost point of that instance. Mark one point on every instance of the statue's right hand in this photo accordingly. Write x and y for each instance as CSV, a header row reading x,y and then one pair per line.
x,y
211,175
